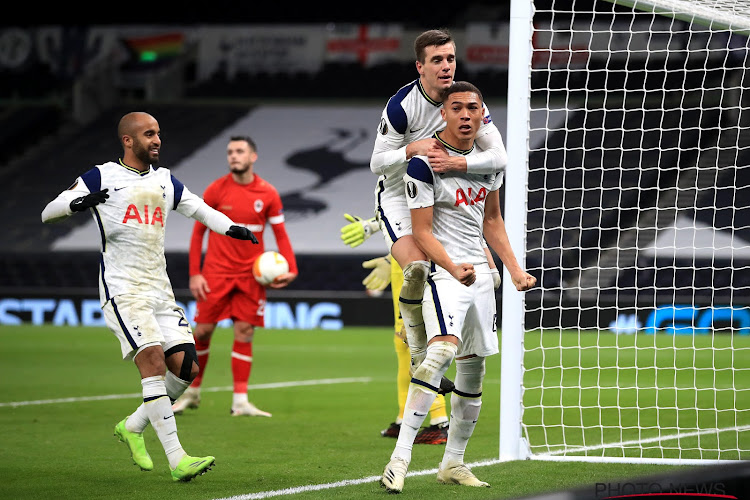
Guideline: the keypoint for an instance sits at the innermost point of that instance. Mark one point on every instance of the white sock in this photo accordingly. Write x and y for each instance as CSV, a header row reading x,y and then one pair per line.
x,y
422,393
159,410
175,385
239,398
464,415
418,404
465,409
138,420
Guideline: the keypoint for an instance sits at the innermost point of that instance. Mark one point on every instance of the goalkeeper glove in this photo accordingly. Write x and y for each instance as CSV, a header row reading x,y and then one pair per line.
x,y
358,231
241,233
496,280
88,201
380,276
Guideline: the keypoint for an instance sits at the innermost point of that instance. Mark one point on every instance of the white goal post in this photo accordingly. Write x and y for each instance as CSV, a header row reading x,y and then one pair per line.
x,y
627,194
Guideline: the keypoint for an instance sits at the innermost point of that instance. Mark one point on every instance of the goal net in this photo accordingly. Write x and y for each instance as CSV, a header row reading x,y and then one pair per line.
x,y
632,119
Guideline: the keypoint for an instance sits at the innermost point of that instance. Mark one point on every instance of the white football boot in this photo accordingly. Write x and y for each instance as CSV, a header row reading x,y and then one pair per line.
x,y
394,474
249,409
459,474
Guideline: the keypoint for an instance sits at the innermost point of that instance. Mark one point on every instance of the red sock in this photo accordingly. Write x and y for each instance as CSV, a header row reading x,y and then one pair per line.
x,y
201,348
242,361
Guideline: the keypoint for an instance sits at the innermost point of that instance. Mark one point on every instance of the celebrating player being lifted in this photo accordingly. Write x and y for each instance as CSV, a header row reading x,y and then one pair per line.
x,y
130,200
408,122
451,214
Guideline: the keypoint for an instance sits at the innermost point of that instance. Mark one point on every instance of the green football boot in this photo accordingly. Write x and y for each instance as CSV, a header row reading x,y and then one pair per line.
x,y
189,467
137,446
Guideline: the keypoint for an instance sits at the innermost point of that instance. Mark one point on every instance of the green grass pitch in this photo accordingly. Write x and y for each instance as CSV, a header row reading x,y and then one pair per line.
x,y
64,389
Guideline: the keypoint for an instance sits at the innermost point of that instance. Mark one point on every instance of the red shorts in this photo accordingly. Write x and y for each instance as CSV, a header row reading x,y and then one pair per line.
x,y
236,297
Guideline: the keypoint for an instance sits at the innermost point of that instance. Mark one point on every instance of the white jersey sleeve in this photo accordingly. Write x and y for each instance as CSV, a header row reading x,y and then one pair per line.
x,y
191,205
389,152
59,208
419,182
386,160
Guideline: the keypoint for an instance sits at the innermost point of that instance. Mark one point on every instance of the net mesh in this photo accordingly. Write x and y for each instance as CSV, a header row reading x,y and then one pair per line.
x,y
638,223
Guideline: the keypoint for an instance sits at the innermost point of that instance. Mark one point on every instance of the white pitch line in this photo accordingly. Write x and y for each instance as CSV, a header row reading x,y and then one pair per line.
x,y
668,437
274,385
339,484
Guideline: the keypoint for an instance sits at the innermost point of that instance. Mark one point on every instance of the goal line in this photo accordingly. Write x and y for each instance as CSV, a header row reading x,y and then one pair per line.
x,y
557,455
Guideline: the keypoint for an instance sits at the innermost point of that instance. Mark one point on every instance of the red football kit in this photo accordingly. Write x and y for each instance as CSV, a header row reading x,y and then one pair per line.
x,y
228,263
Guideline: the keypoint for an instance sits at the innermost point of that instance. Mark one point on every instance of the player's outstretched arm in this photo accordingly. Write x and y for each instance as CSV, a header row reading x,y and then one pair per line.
x,y
191,205
241,233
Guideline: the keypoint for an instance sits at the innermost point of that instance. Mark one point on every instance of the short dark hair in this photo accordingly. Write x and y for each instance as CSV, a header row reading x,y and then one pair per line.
x,y
460,86
429,38
245,138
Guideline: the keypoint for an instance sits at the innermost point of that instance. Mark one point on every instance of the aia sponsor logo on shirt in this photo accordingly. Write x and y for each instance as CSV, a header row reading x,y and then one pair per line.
x,y
133,214
469,197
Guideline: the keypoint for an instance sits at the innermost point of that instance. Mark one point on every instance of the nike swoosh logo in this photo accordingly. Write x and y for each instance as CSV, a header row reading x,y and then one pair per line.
x,y
413,130
167,418
117,189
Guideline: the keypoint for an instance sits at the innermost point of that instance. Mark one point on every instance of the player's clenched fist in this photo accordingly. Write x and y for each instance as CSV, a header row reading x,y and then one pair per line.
x,y
465,273
524,281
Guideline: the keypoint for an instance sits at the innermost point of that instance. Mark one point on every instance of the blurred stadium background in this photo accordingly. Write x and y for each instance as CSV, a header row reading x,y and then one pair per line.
x,y
308,83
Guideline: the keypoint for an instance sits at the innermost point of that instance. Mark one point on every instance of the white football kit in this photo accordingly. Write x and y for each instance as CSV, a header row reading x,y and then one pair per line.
x,y
411,115
457,200
134,287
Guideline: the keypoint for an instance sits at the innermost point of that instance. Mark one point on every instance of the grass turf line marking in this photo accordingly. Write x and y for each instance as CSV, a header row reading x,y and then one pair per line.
x,y
668,437
273,385
338,484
